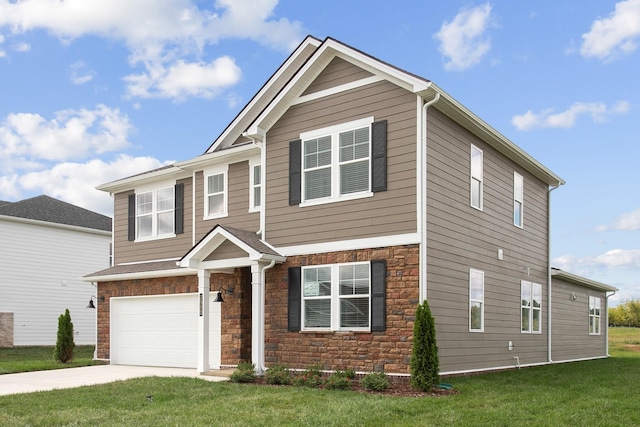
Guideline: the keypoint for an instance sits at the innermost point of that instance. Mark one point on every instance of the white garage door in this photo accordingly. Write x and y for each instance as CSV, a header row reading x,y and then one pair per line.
x,y
161,331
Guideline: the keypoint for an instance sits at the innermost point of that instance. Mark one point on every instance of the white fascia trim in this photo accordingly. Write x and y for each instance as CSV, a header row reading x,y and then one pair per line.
x,y
149,261
174,172
348,245
141,275
212,158
582,281
337,89
55,225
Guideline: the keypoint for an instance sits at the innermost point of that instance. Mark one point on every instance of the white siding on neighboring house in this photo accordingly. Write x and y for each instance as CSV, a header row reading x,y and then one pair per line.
x,y
41,266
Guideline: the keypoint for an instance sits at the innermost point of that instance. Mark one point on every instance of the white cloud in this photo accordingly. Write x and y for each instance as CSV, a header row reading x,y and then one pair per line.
x,y
167,37
71,134
22,47
183,79
598,112
629,221
80,73
610,260
614,36
463,41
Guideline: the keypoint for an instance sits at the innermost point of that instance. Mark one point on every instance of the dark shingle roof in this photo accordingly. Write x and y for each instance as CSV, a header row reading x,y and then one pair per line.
x,y
48,209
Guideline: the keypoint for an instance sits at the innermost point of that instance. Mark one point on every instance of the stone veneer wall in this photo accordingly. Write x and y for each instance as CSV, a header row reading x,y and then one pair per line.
x,y
236,309
6,330
387,351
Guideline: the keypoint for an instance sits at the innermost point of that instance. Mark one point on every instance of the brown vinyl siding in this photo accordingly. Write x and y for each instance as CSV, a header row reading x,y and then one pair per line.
x,y
227,250
461,237
337,73
174,247
570,323
238,202
386,213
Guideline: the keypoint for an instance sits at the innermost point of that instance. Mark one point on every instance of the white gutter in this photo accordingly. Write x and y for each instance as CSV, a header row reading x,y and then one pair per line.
x,y
422,192
549,288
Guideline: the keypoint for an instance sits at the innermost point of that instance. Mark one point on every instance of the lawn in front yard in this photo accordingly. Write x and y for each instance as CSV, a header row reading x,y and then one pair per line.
x,y
591,393
40,358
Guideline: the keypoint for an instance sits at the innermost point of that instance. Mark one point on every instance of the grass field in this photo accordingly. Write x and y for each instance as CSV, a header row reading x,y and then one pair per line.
x,y
26,359
600,392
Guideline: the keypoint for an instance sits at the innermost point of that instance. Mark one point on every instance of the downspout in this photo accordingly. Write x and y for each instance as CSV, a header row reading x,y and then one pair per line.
x,y
422,209
549,288
193,209
263,182
606,325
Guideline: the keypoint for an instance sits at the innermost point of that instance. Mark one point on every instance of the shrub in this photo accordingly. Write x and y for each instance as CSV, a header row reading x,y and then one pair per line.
x,y
64,343
376,381
350,373
278,374
310,377
244,373
424,360
338,381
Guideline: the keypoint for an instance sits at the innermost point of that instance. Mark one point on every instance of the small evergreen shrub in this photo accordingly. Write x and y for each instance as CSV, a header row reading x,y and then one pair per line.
x,y
310,377
376,381
338,381
350,373
278,374
424,359
244,373
64,343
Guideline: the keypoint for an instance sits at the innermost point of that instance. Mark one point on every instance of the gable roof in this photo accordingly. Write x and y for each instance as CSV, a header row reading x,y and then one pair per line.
x,y
47,209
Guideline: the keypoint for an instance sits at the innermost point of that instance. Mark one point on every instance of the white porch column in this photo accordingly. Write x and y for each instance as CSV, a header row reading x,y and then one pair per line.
x,y
203,320
257,319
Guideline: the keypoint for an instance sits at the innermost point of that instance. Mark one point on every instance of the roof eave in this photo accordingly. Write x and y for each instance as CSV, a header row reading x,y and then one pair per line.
x,y
582,281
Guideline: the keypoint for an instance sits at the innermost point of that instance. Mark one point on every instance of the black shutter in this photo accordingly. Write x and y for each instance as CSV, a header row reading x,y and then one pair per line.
x,y
379,156
131,218
294,298
295,172
378,295
179,210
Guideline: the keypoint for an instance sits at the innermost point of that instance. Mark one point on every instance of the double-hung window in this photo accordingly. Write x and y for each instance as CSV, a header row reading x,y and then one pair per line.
x,y
476,300
336,162
155,213
476,177
336,297
215,193
594,315
531,307
518,199
255,188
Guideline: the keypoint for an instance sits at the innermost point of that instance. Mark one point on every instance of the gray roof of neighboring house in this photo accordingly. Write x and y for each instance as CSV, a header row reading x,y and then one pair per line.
x,y
48,209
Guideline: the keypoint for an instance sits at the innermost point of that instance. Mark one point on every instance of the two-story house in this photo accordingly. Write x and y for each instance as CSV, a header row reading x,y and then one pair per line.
x,y
346,192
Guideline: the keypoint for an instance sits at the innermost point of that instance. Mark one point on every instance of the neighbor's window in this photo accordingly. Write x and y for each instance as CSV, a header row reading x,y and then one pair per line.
x,y
518,199
476,300
215,194
155,213
336,161
594,315
476,177
531,307
255,191
336,297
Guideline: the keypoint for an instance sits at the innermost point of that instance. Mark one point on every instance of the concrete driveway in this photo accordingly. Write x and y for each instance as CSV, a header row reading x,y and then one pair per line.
x,y
29,382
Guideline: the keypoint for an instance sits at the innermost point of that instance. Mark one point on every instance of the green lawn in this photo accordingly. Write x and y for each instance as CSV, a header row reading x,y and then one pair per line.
x,y
26,359
591,393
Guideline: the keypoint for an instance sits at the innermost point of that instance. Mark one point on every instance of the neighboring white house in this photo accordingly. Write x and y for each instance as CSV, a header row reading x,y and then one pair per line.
x,y
46,246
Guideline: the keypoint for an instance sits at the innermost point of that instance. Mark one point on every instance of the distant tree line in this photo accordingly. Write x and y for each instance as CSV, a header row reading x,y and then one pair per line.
x,y
625,314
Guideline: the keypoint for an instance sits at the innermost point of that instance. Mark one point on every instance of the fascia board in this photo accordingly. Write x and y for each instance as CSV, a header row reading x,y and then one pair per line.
x,y
229,155
142,275
582,281
131,182
54,225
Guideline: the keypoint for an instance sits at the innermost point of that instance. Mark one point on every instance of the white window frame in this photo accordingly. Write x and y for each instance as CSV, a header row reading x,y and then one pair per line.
x,y
224,171
532,288
518,200
595,303
335,298
474,300
334,132
476,175
255,203
153,190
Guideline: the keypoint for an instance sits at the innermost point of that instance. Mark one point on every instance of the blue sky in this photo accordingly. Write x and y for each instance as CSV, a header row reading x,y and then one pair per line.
x,y
92,91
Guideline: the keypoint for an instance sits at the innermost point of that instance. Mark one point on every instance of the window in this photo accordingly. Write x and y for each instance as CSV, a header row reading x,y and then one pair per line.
x,y
476,177
531,307
518,199
215,194
155,213
255,190
594,315
336,297
336,161
476,301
